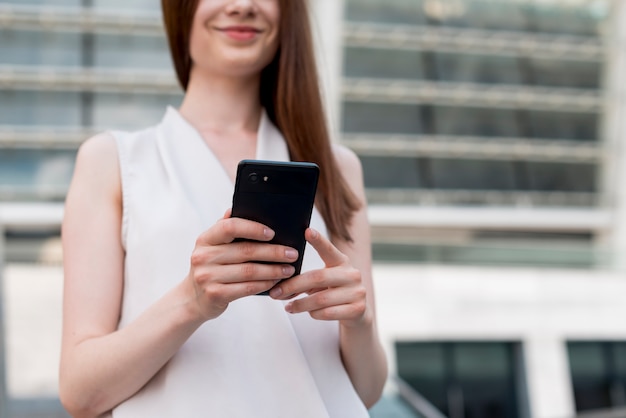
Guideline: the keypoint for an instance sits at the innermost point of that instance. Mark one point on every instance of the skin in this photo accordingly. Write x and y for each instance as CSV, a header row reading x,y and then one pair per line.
x,y
101,366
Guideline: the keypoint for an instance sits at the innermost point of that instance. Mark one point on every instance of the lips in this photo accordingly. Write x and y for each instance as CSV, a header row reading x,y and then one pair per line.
x,y
240,32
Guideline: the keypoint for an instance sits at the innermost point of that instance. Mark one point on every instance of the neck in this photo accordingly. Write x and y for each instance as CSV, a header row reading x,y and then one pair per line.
x,y
222,104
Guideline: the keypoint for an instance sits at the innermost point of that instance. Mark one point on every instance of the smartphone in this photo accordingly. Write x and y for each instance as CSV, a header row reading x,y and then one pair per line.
x,y
279,195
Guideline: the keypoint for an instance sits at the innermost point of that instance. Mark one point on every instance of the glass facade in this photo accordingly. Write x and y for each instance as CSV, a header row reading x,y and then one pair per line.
x,y
480,103
598,370
464,379
438,50
69,68
413,69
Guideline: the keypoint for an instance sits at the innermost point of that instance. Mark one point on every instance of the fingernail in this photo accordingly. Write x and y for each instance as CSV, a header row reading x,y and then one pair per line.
x,y
314,233
288,270
268,233
289,307
276,292
293,254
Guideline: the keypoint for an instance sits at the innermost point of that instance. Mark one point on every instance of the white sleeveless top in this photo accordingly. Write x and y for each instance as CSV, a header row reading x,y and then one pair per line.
x,y
255,360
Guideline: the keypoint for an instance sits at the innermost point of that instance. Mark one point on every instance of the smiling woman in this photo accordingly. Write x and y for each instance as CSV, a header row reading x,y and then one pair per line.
x,y
160,317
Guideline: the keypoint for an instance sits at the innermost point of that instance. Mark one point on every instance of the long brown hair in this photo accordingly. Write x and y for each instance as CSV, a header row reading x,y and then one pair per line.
x,y
290,93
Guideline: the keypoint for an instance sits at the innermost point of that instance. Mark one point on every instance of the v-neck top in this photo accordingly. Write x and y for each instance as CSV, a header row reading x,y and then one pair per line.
x,y
255,360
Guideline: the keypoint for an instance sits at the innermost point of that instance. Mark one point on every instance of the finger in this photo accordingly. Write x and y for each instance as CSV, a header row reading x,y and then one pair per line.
x,y
348,312
227,230
322,300
245,272
233,291
241,252
327,251
227,214
312,280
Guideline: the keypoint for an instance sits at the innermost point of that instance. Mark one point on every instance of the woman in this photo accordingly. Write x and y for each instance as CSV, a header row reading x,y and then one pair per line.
x,y
159,320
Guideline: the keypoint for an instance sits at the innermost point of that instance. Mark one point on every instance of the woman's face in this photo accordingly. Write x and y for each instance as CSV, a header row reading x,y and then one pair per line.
x,y
234,37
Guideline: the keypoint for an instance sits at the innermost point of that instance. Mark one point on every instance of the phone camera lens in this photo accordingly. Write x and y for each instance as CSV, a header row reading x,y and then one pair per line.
x,y
253,177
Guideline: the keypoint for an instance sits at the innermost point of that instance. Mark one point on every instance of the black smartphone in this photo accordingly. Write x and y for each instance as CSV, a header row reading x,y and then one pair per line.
x,y
280,195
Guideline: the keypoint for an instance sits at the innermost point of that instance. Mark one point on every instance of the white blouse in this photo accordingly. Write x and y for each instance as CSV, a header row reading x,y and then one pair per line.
x,y
255,360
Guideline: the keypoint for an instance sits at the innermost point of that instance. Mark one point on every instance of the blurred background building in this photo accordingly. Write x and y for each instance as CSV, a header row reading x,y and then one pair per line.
x,y
491,134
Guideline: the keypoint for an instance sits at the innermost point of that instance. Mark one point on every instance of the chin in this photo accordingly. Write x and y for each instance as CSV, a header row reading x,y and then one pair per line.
x,y
244,66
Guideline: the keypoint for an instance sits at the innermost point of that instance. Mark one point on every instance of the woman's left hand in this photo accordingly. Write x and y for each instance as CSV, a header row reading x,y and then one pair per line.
x,y
335,292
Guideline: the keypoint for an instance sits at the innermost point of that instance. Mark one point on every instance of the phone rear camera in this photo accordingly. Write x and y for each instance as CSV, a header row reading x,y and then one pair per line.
x,y
253,177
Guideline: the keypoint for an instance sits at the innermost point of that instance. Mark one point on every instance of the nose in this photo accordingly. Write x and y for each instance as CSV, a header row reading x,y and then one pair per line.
x,y
242,7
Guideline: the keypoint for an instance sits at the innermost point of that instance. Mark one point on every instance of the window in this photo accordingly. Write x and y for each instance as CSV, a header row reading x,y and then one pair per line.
x,y
125,5
40,108
382,63
472,174
63,3
477,69
126,51
381,118
382,172
464,379
469,174
583,19
23,47
35,174
474,142
598,372
390,11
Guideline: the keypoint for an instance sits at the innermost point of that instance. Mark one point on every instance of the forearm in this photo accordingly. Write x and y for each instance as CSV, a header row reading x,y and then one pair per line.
x,y
99,373
365,360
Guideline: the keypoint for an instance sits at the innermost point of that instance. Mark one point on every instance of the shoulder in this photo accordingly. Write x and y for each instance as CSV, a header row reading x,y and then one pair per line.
x,y
350,167
97,152
346,157
97,163
102,144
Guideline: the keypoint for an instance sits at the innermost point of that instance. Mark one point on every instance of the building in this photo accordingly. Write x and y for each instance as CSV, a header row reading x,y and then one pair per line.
x,y
490,133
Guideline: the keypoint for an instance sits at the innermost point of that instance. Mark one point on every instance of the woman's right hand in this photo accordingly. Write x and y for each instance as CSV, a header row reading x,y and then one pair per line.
x,y
223,270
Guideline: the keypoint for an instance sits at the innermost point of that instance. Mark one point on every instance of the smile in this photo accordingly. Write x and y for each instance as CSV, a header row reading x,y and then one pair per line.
x,y
240,33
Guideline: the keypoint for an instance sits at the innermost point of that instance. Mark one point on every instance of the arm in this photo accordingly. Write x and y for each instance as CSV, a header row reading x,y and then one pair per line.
x,y
344,291
102,366
360,343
